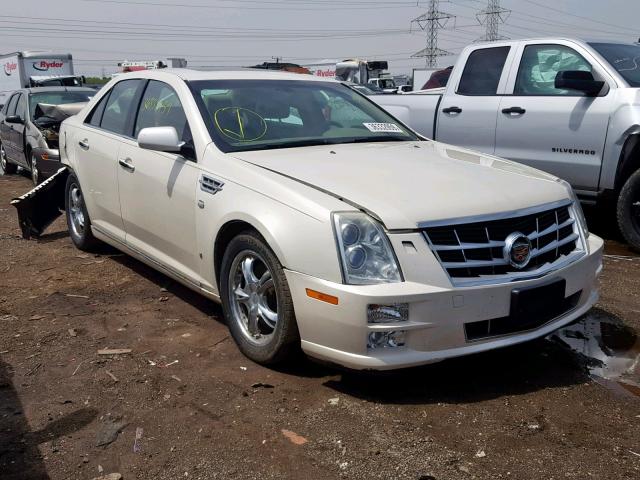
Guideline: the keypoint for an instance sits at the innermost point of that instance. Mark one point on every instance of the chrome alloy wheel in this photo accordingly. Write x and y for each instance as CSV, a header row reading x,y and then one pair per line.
x,y
76,211
253,297
35,174
3,158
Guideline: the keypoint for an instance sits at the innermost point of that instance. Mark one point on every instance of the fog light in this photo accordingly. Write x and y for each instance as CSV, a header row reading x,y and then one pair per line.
x,y
387,339
398,312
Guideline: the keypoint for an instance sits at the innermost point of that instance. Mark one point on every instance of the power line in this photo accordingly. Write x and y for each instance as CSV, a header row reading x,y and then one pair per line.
x,y
431,22
491,17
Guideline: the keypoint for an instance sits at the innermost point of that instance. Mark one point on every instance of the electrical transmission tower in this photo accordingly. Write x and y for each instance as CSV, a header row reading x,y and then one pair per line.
x,y
491,17
431,22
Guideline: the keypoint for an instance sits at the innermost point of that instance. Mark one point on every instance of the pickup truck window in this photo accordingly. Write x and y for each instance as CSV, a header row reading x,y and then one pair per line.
x,y
540,65
482,72
624,58
244,115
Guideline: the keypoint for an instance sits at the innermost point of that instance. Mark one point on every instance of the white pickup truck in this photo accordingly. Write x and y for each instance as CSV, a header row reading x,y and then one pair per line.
x,y
568,107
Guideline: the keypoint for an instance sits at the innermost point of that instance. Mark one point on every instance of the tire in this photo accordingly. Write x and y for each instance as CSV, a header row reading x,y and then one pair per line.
x,y
267,340
6,168
628,211
35,173
78,220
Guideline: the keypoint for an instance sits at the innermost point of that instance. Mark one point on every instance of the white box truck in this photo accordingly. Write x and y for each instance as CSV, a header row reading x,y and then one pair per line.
x,y
36,69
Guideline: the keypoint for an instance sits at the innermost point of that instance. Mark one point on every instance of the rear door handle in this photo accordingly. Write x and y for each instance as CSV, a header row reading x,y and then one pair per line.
x,y
126,164
514,111
452,110
84,144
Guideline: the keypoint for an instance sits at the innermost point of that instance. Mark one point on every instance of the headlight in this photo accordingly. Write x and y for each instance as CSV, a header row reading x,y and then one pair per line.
x,y
365,252
577,207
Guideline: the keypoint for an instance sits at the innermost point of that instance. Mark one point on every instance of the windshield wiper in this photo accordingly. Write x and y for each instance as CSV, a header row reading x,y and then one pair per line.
x,y
294,144
378,139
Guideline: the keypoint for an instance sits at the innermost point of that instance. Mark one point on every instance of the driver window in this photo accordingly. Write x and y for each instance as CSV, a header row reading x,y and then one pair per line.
x,y
21,108
11,108
539,66
161,107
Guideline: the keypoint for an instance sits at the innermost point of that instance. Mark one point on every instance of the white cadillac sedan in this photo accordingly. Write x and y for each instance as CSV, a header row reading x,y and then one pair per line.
x,y
323,223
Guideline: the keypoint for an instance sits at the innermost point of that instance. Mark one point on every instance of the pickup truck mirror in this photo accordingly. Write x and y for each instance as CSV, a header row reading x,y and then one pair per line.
x,y
580,81
13,119
160,139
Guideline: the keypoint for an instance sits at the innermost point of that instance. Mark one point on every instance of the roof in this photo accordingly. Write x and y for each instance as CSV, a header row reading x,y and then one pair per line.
x,y
248,74
56,89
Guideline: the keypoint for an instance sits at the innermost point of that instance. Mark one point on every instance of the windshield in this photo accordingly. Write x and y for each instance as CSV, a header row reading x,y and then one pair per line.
x,y
57,98
244,115
624,58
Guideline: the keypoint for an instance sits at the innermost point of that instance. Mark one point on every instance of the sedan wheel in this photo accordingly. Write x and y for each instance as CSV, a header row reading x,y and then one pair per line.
x,y
256,300
35,174
78,220
254,297
6,168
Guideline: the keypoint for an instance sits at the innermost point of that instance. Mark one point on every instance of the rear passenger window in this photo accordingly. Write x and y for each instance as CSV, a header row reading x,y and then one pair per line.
x,y
95,117
119,107
482,72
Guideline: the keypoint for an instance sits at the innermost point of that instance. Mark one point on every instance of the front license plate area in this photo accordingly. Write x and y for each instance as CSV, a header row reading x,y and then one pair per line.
x,y
530,305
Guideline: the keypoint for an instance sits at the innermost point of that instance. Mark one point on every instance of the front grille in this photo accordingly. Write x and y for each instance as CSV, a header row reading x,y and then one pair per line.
x,y
476,250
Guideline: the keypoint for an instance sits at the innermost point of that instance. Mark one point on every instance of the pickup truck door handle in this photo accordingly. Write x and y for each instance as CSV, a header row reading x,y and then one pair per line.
x,y
514,110
452,110
126,164
84,144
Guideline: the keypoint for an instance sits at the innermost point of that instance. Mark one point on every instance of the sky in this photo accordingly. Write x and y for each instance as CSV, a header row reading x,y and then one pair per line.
x,y
101,33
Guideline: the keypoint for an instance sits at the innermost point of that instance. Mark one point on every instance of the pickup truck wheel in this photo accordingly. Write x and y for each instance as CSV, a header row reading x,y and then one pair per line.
x,y
257,302
6,168
78,220
629,211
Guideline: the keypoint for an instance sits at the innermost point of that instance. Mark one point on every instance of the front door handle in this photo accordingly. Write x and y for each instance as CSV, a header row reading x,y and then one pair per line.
x,y
126,164
84,144
514,111
452,110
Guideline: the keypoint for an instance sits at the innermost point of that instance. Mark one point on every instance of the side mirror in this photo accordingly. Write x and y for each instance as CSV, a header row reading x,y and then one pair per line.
x,y
14,119
160,139
579,81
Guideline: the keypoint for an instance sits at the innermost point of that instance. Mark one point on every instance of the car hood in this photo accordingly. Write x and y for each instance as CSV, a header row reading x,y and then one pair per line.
x,y
404,184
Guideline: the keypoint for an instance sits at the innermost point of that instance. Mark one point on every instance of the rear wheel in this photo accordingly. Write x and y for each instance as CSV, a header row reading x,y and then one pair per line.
x,y
77,216
257,301
629,210
6,168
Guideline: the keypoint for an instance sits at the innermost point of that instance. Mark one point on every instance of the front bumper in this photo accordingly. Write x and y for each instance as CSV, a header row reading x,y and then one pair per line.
x,y
48,161
437,316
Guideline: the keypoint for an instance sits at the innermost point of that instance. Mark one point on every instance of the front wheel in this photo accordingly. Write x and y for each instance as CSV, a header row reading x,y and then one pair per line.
x,y
78,220
257,302
629,211
35,173
6,168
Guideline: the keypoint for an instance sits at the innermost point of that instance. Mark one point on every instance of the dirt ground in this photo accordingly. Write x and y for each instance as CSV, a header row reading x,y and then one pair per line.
x,y
535,411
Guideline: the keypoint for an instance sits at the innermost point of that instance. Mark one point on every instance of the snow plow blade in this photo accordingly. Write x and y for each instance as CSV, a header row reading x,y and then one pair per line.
x,y
38,208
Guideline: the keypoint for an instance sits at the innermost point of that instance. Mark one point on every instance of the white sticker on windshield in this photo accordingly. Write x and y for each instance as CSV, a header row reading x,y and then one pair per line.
x,y
383,127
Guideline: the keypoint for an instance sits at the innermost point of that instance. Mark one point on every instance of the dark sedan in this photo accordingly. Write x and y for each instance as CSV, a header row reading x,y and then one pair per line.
x,y
29,125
